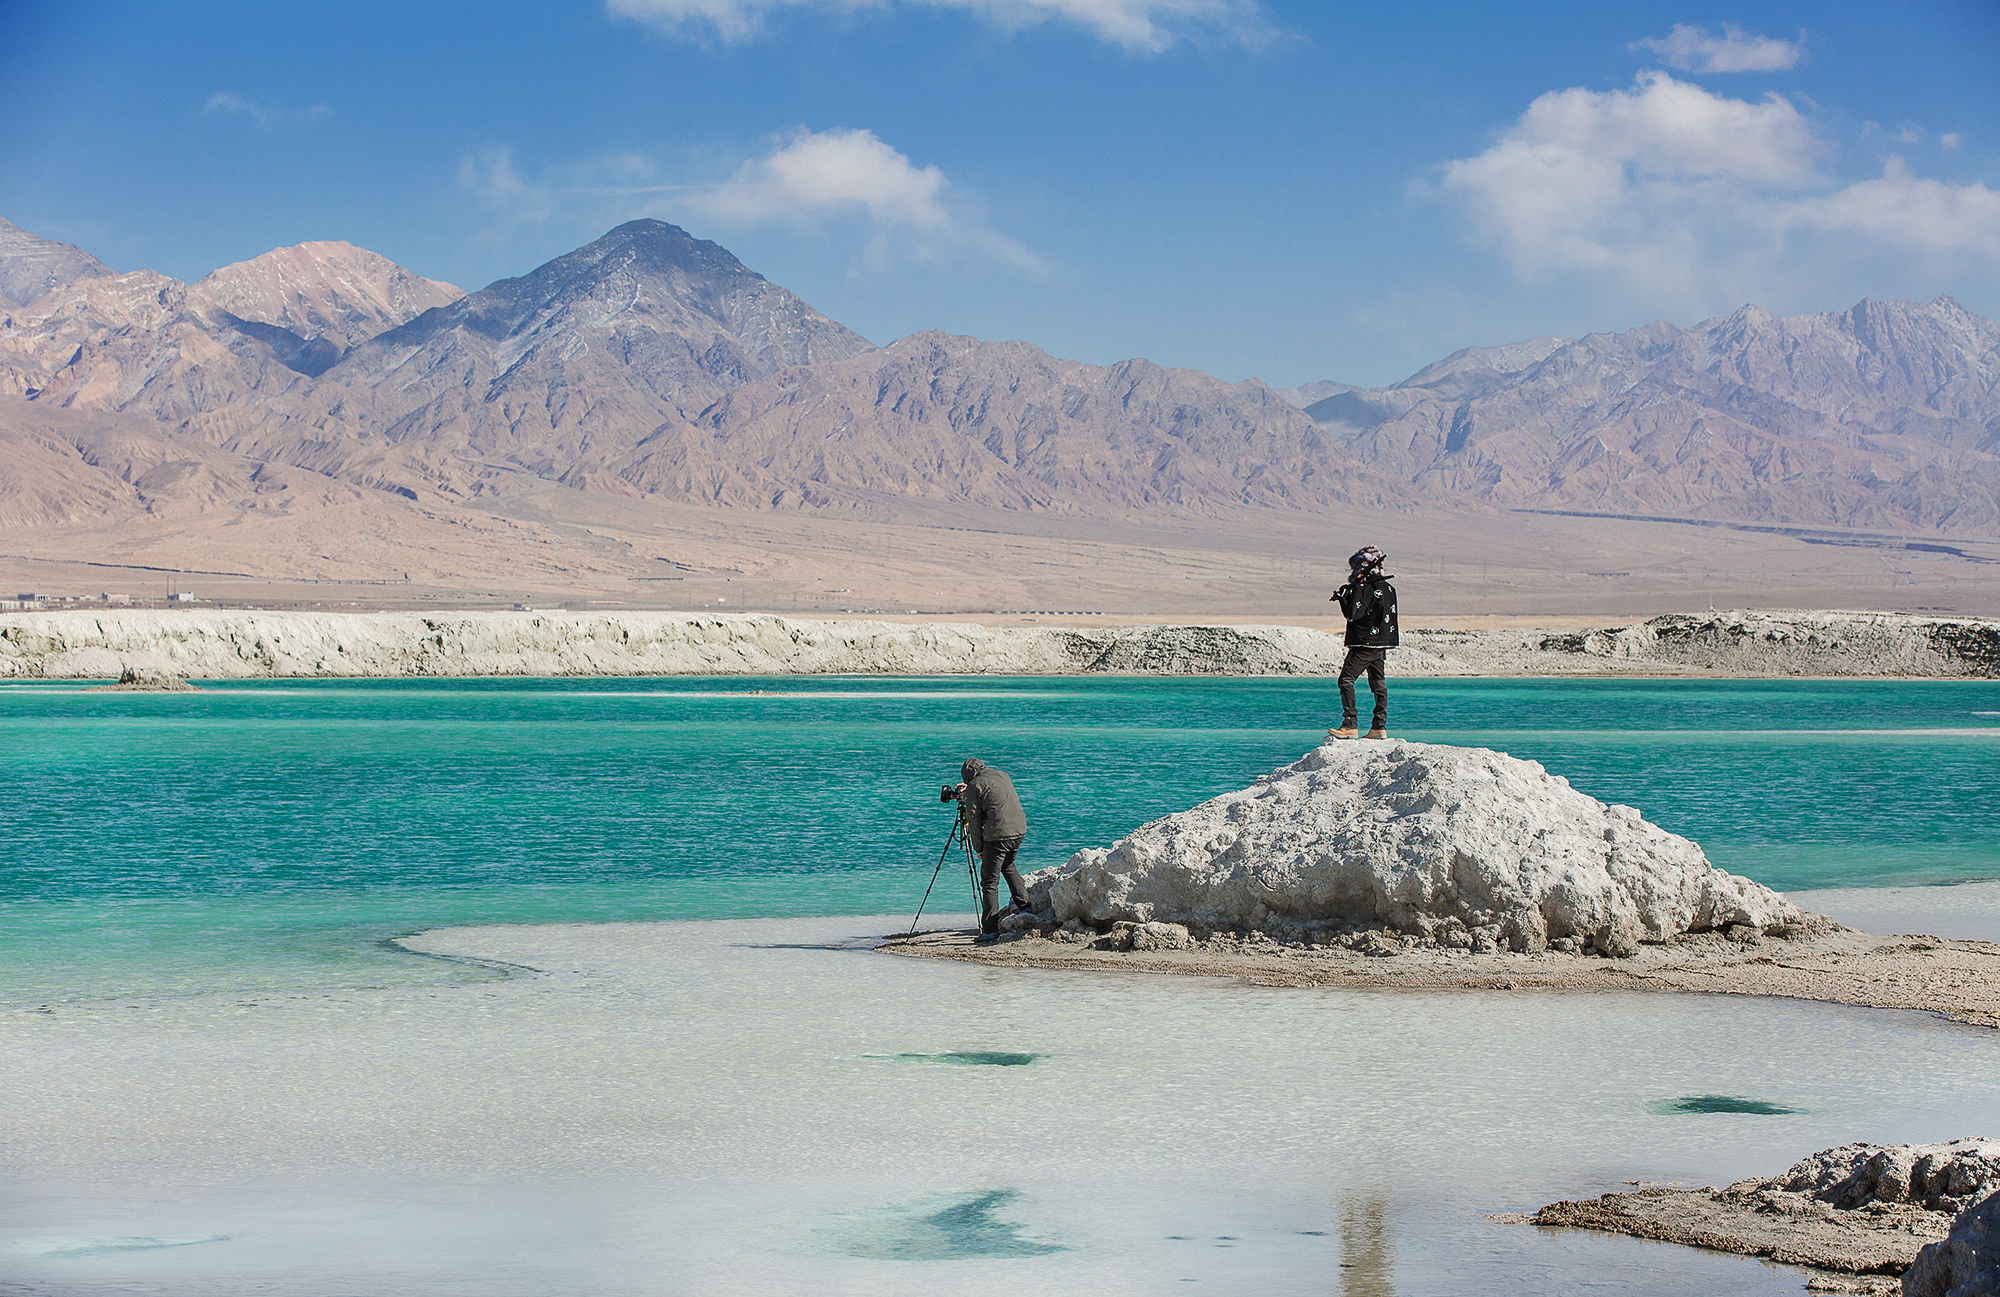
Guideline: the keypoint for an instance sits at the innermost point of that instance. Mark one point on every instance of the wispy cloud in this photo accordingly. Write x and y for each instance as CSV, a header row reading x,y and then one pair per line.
x,y
1136,26
490,176
264,115
1692,49
1687,194
809,179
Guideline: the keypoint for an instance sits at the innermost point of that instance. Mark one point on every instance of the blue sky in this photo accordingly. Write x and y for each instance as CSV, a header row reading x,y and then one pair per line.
x,y
1286,191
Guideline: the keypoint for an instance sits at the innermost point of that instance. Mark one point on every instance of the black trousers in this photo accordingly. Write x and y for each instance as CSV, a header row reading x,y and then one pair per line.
x,y
1375,662
996,861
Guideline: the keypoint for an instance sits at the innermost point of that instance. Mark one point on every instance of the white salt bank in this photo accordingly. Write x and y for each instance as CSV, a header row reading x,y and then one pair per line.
x,y
1461,847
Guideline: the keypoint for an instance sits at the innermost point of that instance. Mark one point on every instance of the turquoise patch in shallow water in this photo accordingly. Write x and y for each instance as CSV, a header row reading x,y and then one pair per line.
x,y
942,1227
1720,1103
963,1058
82,1247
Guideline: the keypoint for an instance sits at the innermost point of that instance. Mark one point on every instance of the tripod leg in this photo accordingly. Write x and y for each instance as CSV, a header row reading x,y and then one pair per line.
x,y
978,891
949,840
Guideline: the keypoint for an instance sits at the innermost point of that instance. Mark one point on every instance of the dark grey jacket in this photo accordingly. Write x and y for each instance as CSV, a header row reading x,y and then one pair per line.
x,y
1370,608
992,809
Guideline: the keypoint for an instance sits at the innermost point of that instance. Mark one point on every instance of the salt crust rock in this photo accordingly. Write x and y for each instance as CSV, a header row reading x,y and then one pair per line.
x,y
1462,847
1966,1263
1946,1177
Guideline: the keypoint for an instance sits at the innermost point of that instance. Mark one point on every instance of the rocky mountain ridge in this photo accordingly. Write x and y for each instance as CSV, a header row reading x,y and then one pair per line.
x,y
31,265
1886,414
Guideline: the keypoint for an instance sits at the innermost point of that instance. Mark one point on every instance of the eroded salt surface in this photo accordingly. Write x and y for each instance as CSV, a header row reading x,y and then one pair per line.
x,y
758,1106
1463,846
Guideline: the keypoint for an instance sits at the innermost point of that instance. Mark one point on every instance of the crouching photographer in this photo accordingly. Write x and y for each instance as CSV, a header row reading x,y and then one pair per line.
x,y
994,825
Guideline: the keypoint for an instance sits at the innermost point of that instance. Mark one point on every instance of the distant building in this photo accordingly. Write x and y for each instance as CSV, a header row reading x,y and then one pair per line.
x,y
115,598
181,596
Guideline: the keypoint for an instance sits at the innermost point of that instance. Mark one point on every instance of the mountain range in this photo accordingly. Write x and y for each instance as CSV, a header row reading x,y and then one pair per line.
x,y
653,362
323,380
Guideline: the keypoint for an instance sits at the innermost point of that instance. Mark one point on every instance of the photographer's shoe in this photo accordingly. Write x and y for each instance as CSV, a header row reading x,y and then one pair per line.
x,y
1378,734
1344,732
986,939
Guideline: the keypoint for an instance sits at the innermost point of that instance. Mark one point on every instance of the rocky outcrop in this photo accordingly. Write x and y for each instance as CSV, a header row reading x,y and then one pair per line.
x,y
1858,1209
234,645
1946,1177
1802,643
1809,643
135,680
1966,1263
1458,847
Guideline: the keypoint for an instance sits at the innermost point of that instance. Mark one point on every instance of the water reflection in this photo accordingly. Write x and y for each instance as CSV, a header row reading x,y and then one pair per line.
x,y
1367,1258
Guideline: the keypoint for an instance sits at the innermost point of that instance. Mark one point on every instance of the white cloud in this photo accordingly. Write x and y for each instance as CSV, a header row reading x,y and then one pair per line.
x,y
1950,141
809,179
815,175
1137,26
264,115
1899,208
1693,196
1603,179
1692,49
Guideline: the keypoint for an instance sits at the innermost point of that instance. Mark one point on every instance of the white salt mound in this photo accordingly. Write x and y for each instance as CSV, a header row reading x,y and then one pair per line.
x,y
1464,847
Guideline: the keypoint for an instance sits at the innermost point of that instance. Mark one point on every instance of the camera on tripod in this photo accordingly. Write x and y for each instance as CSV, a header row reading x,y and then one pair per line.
x,y
947,794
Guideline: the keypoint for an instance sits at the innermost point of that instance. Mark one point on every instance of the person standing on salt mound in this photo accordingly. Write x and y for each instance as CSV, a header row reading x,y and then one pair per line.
x,y
1368,602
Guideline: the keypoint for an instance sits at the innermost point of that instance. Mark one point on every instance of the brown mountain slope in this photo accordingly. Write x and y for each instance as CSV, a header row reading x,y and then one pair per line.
x,y
333,291
146,344
1003,425
1886,415
552,375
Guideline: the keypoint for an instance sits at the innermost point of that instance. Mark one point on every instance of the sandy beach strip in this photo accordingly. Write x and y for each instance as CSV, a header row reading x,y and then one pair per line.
x,y
1958,980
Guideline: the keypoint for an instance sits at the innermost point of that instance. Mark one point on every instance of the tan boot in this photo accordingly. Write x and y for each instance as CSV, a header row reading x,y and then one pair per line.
x,y
1378,734
1344,732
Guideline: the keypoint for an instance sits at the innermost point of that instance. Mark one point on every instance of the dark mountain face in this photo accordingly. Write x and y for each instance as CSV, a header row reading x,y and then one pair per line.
x,y
658,268
576,361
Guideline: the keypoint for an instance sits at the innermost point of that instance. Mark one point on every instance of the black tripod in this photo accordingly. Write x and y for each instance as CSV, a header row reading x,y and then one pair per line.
x,y
958,837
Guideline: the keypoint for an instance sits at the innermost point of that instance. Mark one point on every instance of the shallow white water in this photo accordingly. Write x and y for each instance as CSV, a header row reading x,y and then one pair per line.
x,y
1960,911
755,1106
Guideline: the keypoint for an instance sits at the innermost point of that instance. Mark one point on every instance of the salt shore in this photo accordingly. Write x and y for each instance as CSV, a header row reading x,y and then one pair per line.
x,y
237,645
1958,980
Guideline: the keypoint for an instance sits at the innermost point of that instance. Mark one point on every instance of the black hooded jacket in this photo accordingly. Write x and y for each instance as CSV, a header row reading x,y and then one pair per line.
x,y
1369,604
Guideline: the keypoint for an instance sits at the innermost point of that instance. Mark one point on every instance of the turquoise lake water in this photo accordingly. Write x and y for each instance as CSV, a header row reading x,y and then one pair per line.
x,y
272,834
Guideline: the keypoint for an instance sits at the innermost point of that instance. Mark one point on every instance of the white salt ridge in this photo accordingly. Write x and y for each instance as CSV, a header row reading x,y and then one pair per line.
x,y
221,645
1464,847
